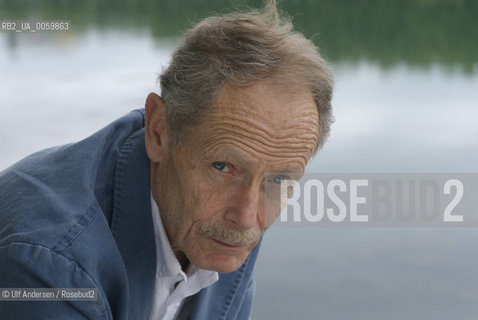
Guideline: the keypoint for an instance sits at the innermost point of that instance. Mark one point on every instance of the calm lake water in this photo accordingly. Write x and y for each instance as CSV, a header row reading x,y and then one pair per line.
x,y
397,110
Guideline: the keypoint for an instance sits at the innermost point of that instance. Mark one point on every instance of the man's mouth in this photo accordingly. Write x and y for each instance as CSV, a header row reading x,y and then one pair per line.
x,y
229,237
227,245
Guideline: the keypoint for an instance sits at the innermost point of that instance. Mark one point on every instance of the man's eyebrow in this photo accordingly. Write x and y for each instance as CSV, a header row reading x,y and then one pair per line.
x,y
284,166
293,170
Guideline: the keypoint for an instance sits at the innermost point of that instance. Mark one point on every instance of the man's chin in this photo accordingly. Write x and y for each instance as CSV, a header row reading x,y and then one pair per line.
x,y
221,263
218,256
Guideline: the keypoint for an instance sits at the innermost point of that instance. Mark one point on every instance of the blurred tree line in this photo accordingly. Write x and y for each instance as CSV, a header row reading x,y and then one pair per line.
x,y
416,32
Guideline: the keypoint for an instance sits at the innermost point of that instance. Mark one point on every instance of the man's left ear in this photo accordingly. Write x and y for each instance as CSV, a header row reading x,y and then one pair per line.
x,y
156,134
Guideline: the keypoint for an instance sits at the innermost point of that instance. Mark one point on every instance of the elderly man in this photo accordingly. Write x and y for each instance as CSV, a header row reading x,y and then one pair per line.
x,y
162,211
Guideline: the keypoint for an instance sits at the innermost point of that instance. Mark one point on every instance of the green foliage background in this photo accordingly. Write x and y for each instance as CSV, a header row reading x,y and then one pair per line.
x,y
388,32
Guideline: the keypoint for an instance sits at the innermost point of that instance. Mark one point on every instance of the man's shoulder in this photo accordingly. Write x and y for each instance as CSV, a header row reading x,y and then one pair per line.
x,y
55,210
51,194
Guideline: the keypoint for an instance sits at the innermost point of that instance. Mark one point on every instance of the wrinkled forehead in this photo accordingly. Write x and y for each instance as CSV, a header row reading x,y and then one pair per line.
x,y
275,106
265,121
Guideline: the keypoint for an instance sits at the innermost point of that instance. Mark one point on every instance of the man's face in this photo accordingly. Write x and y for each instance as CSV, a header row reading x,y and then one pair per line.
x,y
212,188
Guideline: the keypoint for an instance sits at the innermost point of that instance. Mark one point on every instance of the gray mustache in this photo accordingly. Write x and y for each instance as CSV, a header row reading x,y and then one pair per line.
x,y
230,236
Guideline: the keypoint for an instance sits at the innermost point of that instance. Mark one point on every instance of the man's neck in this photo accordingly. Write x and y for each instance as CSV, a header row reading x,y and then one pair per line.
x,y
183,260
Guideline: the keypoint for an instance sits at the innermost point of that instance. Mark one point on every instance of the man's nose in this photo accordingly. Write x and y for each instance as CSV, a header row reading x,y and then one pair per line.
x,y
244,209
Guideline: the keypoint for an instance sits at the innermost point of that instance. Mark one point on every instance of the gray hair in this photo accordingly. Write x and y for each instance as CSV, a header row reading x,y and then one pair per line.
x,y
241,49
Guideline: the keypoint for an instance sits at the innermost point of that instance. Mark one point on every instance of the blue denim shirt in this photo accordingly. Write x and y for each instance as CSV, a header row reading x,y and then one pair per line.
x,y
79,216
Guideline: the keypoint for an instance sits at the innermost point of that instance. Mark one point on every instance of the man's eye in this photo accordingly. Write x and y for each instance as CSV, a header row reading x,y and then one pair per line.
x,y
278,179
221,166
